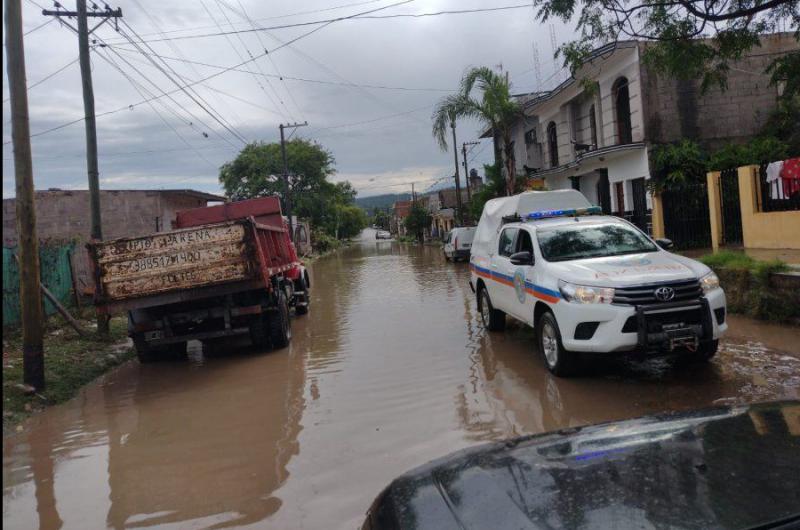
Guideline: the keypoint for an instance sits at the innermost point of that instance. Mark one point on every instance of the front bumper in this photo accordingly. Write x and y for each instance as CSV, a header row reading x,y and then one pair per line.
x,y
622,328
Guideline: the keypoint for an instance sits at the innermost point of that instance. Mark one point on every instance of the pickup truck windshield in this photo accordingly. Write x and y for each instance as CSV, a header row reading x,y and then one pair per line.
x,y
580,241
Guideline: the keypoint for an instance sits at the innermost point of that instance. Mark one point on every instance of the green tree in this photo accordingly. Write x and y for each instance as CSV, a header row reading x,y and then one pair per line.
x,y
417,221
492,105
675,28
256,172
380,218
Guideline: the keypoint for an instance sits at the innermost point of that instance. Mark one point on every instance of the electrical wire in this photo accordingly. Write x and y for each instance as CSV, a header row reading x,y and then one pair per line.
x,y
45,78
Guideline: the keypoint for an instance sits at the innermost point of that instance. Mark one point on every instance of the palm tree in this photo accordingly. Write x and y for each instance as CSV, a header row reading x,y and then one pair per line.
x,y
494,108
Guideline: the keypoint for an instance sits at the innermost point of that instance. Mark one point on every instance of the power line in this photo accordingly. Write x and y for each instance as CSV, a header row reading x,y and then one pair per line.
x,y
364,16
45,78
292,78
40,26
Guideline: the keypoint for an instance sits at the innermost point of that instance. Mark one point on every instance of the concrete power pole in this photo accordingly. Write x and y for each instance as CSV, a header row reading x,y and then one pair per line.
x,y
28,252
458,180
288,188
83,32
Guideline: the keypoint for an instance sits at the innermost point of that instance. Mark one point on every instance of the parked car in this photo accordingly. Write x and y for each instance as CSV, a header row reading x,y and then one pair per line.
x,y
383,234
590,283
725,467
458,242
224,270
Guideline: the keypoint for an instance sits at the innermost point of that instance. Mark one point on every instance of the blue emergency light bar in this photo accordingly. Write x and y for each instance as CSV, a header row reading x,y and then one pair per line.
x,y
544,214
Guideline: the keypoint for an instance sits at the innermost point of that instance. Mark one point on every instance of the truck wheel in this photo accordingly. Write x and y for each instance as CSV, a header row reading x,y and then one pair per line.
x,y
279,325
493,319
558,360
302,309
258,332
144,351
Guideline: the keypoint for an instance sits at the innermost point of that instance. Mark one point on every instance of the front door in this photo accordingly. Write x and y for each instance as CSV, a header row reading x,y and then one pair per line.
x,y
502,285
619,192
639,196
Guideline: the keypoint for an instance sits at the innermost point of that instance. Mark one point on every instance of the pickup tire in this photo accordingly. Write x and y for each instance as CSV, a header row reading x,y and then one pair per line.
x,y
446,257
279,325
559,361
493,319
705,352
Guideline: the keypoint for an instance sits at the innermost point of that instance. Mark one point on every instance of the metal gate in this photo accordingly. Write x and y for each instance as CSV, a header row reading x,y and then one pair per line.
x,y
686,219
640,204
731,208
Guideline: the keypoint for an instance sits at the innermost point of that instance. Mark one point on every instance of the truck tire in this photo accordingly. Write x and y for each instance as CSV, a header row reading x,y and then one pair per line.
x,y
302,308
144,352
279,325
258,331
493,319
559,361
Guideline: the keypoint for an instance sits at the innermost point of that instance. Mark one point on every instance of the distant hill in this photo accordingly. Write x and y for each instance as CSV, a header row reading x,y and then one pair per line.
x,y
381,201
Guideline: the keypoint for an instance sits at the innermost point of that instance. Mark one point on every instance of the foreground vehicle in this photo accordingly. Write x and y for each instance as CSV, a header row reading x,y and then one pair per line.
x,y
458,242
728,467
590,283
225,270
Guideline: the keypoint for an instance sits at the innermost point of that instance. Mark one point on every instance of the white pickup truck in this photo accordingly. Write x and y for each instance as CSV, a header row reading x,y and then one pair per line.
x,y
590,283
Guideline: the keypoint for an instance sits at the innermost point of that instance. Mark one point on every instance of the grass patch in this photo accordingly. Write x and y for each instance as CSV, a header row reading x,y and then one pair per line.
x,y
747,286
70,363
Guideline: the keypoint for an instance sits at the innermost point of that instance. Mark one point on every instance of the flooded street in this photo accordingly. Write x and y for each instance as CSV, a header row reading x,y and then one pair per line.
x,y
389,370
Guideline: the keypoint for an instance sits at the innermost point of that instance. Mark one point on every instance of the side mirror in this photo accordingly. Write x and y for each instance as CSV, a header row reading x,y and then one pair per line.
x,y
664,243
521,258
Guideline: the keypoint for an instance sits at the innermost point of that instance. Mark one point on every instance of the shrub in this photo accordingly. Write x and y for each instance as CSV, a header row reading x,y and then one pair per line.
x,y
322,242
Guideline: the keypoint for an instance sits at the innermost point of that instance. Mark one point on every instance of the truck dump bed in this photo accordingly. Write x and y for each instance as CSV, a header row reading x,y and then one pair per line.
x,y
236,242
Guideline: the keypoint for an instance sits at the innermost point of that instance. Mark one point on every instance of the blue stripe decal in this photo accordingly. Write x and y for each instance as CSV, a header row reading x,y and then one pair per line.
x,y
528,285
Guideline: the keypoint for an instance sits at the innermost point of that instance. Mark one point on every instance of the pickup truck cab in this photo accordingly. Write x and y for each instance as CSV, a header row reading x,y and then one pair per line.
x,y
458,242
590,283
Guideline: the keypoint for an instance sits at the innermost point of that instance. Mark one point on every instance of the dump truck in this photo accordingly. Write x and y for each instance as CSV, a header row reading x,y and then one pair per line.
x,y
222,271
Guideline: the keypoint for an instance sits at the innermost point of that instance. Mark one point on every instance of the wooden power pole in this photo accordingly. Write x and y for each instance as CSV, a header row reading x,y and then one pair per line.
x,y
28,251
83,31
466,168
458,180
288,188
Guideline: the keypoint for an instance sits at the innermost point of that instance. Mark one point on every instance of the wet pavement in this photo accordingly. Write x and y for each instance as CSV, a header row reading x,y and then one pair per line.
x,y
390,369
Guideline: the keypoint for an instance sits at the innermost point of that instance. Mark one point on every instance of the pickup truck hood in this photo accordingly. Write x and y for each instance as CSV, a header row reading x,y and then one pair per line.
x,y
630,269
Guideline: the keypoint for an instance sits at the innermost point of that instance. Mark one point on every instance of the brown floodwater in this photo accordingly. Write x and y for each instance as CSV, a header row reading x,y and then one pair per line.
x,y
389,369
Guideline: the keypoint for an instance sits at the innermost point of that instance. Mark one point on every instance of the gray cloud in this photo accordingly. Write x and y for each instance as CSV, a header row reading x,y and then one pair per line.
x,y
138,150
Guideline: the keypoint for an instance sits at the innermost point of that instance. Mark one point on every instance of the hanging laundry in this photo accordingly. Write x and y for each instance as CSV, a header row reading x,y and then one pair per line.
x,y
775,181
790,176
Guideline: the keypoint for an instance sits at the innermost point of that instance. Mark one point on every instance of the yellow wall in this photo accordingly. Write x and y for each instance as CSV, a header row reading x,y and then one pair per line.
x,y
657,217
714,209
763,229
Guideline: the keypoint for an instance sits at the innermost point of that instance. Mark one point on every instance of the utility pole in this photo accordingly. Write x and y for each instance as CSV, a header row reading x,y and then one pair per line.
x,y
466,168
288,189
458,180
83,31
28,252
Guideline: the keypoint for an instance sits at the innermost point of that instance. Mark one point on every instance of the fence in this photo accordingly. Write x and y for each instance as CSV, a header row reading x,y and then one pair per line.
x,y
56,275
686,217
772,197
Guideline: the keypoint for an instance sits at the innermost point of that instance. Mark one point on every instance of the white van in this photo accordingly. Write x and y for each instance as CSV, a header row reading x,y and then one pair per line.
x,y
590,283
458,242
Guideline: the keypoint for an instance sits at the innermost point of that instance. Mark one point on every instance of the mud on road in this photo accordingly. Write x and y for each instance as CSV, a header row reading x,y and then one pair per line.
x,y
389,370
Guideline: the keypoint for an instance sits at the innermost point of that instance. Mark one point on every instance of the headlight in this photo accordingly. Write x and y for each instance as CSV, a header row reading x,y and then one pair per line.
x,y
709,282
584,294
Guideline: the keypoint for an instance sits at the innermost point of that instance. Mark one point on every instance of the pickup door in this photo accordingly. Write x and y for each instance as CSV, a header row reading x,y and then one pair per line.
x,y
501,288
516,281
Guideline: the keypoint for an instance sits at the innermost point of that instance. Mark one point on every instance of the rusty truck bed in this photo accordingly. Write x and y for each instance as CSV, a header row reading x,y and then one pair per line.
x,y
172,266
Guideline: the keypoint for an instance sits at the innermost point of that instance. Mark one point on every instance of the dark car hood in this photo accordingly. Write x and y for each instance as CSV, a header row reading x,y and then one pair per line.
x,y
727,467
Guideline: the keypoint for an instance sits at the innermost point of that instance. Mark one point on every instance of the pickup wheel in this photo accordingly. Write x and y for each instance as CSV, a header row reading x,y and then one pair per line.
x,y
705,352
558,360
493,319
446,257
279,325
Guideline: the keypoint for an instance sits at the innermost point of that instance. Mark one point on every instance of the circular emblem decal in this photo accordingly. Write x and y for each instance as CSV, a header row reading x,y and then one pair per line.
x,y
665,294
519,285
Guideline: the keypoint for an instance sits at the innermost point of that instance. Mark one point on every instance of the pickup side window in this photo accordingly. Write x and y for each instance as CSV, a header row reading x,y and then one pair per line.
x,y
524,243
506,241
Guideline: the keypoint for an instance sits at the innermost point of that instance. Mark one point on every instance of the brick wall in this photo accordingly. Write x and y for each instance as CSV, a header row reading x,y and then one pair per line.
x,y
64,215
676,109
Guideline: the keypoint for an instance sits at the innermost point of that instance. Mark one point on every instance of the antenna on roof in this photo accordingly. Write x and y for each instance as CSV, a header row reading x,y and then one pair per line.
x,y
554,46
537,68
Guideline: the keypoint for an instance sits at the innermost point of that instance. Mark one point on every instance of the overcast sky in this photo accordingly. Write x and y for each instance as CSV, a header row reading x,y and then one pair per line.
x,y
380,137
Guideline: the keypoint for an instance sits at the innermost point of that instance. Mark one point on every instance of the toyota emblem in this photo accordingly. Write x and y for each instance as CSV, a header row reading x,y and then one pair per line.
x,y
665,294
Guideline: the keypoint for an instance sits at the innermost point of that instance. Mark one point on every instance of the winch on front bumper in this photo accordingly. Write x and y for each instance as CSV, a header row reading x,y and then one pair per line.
x,y
669,326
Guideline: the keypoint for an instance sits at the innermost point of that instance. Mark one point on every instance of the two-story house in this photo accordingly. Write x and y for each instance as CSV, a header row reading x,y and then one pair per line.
x,y
595,131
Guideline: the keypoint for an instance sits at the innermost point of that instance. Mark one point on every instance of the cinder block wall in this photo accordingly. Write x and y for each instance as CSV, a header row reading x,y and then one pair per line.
x,y
677,109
